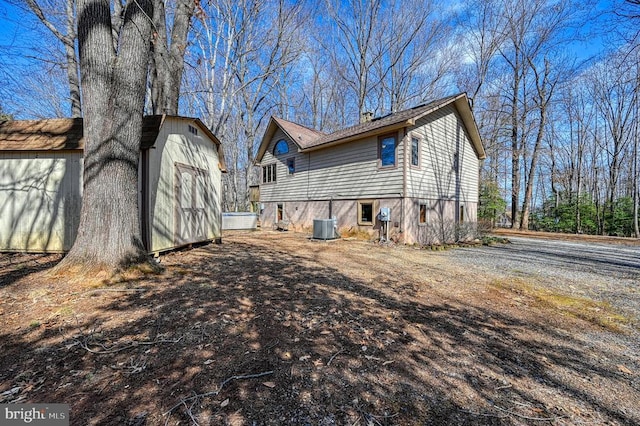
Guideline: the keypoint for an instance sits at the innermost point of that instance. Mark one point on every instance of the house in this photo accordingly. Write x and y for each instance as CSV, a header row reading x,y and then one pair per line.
x,y
41,165
422,164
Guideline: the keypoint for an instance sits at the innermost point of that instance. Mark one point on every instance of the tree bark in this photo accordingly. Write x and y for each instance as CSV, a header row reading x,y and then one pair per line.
x,y
167,59
113,87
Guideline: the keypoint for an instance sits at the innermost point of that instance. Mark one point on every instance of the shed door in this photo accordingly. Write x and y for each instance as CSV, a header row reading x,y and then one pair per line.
x,y
191,204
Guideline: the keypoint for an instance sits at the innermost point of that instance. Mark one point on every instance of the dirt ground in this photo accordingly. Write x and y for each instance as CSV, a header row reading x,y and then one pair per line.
x,y
272,328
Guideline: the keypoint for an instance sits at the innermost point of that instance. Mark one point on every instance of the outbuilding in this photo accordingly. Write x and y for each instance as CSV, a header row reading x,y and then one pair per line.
x,y
41,163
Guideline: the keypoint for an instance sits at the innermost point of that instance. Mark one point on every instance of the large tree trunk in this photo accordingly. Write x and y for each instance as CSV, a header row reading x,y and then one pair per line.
x,y
113,87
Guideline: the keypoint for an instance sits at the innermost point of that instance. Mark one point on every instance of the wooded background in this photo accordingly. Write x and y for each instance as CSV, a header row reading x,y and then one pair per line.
x,y
554,85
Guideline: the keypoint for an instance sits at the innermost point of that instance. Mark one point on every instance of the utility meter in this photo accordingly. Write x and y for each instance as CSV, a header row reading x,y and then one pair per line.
x,y
385,214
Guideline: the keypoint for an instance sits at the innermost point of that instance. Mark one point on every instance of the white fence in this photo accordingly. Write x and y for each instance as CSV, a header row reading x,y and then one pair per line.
x,y
243,220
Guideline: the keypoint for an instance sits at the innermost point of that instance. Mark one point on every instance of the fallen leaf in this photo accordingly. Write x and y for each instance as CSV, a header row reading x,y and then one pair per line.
x,y
623,369
305,357
269,384
224,403
207,362
387,362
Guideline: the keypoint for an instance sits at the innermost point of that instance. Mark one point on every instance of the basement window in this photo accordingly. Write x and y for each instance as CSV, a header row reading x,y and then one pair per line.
x,y
365,212
280,212
423,214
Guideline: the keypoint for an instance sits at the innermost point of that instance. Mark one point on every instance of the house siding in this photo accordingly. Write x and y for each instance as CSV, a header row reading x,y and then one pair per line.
x,y
441,135
345,171
40,198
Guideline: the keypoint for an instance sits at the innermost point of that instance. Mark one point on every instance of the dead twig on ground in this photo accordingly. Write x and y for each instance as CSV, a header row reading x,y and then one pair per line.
x,y
110,350
333,356
216,392
522,416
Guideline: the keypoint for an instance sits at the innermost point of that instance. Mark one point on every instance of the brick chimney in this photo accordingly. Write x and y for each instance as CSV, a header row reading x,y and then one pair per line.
x,y
366,116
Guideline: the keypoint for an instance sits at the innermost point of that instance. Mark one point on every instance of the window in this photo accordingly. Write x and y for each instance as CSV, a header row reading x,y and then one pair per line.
x,y
387,150
461,216
193,130
291,165
456,162
282,147
426,210
269,173
423,213
280,212
415,152
366,210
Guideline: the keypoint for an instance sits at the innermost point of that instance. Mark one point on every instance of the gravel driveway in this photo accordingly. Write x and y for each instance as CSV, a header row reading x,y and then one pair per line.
x,y
598,271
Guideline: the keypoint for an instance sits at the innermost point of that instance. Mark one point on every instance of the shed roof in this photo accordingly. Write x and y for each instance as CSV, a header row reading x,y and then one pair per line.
x,y
310,140
66,133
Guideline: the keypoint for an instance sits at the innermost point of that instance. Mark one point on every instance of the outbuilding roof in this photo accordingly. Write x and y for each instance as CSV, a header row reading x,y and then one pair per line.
x,y
66,133
310,140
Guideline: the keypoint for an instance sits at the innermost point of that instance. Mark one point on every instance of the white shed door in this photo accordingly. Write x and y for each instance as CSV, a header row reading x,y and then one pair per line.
x,y
191,204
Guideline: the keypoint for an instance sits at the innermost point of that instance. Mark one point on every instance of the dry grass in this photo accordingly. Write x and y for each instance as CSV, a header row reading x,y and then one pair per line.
x,y
599,313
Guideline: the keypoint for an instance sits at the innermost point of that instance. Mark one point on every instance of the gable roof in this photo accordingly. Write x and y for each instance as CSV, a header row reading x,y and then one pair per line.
x,y
66,134
302,136
311,140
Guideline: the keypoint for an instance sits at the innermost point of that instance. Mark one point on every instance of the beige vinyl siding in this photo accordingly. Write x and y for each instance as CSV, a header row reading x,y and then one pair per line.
x,y
175,145
40,197
347,171
441,135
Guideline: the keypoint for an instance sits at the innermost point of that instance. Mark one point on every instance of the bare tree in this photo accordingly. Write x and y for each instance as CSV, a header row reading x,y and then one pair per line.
x,y
356,24
65,32
612,92
167,55
545,86
244,49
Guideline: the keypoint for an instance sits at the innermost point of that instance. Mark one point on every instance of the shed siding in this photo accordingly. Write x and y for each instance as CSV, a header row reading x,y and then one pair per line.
x,y
345,171
40,198
175,145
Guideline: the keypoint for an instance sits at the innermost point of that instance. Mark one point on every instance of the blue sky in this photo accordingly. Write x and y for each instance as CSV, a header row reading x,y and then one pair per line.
x,y
19,31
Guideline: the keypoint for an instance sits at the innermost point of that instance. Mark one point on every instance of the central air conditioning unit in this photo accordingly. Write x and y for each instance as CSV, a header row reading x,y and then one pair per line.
x,y
324,229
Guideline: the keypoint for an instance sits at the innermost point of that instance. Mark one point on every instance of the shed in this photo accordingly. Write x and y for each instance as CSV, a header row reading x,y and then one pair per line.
x,y
41,162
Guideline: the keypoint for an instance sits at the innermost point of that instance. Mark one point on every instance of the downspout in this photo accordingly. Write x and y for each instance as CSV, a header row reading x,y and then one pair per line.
x,y
404,182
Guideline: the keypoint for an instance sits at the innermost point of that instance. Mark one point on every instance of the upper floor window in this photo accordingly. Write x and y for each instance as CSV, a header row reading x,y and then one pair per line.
x,y
282,147
415,152
269,173
387,150
193,130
